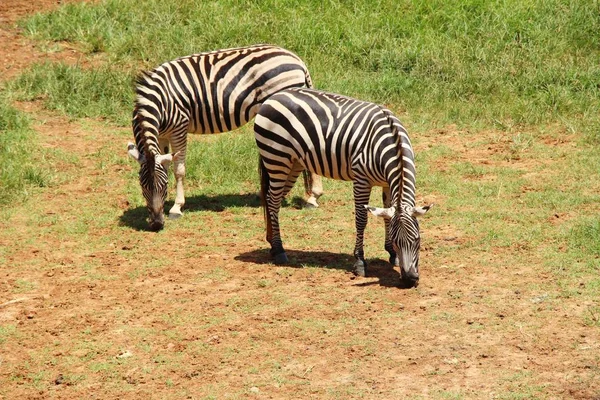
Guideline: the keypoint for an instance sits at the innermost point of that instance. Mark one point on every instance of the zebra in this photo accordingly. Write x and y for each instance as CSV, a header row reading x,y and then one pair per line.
x,y
210,92
346,139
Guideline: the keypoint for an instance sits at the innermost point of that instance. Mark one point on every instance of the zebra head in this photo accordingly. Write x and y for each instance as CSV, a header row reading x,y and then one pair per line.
x,y
154,181
405,237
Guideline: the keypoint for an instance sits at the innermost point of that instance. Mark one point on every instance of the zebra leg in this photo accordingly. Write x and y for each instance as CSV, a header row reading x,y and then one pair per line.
x,y
274,199
179,170
313,187
362,192
179,167
297,169
386,197
273,195
179,145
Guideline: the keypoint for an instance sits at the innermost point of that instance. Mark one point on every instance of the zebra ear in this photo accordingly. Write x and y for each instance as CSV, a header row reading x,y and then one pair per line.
x,y
165,160
382,212
418,211
134,153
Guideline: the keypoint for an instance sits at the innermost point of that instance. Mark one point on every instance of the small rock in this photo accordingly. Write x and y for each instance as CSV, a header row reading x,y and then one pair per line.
x,y
125,354
254,389
539,299
59,379
214,339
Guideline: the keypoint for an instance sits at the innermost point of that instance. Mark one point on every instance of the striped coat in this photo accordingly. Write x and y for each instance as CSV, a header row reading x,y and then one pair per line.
x,y
203,93
347,139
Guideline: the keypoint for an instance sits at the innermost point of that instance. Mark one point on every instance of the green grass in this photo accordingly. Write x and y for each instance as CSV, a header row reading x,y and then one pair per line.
x,y
23,167
100,93
475,63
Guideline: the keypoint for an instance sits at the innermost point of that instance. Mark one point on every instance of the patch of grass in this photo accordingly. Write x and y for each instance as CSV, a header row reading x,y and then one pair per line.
x,y
23,167
585,236
474,63
7,331
24,286
101,92
228,160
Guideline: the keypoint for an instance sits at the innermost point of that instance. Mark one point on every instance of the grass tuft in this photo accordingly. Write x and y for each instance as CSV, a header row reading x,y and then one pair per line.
x,y
21,169
472,63
103,92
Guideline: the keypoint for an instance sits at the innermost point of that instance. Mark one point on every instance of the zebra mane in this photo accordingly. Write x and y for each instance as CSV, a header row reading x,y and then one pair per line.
x,y
142,79
406,157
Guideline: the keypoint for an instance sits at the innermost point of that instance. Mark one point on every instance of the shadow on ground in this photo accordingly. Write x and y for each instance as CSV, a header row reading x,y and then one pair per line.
x,y
136,218
377,268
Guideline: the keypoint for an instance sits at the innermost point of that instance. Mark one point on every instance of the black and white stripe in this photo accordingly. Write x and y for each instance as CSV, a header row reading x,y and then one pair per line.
x,y
204,93
347,139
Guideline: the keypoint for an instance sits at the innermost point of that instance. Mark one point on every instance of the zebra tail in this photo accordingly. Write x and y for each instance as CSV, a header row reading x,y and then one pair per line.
x,y
264,187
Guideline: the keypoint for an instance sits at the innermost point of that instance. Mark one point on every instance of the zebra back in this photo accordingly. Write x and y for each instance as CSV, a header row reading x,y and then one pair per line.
x,y
211,92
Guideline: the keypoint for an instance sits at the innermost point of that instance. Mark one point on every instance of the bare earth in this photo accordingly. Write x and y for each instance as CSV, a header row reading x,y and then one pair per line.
x,y
438,341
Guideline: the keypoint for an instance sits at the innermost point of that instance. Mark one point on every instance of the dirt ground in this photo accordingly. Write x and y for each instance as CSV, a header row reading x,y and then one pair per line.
x,y
440,341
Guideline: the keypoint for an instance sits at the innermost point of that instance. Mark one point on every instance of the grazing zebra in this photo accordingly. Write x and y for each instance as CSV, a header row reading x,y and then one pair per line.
x,y
346,139
204,93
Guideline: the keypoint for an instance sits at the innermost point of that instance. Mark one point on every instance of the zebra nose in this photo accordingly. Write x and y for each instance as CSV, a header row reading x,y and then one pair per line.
x,y
409,283
156,226
411,279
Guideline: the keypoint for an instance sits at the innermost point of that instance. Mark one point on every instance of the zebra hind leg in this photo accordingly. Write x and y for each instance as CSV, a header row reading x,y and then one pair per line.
x,y
277,251
362,191
272,192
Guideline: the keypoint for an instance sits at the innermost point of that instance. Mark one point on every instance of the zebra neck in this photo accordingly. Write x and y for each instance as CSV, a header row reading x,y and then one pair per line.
x,y
408,176
146,132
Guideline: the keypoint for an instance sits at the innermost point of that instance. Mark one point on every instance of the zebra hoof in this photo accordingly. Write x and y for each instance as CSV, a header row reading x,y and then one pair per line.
x,y
360,268
280,259
175,215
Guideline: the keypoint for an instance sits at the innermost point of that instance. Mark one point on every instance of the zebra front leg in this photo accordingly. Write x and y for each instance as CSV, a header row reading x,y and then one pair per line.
x,y
179,144
362,191
385,195
175,211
